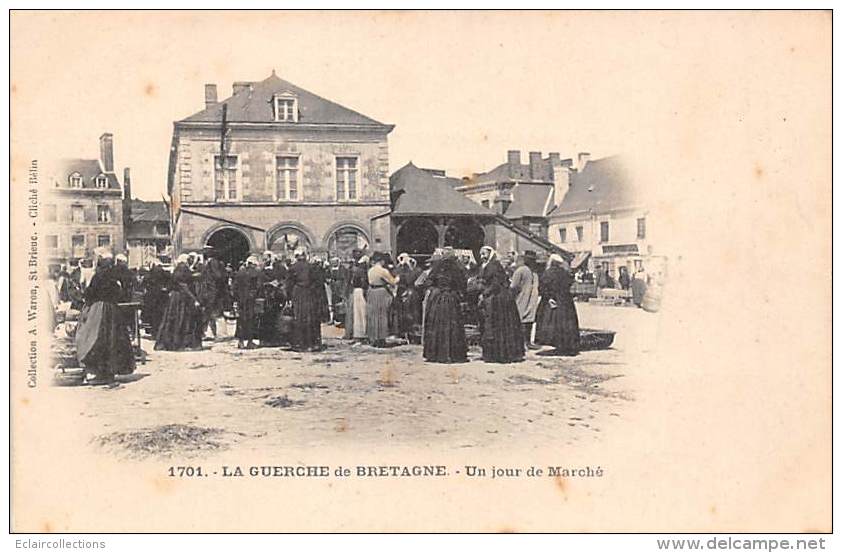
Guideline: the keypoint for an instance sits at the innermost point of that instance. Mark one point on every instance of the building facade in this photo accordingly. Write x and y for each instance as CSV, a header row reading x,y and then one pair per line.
x,y
602,217
522,193
147,232
84,209
276,167
429,212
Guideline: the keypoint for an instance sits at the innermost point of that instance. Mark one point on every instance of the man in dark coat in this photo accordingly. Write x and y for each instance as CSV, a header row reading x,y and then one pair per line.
x,y
211,291
303,284
247,283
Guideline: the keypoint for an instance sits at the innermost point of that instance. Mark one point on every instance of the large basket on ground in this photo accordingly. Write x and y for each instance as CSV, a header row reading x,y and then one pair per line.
x,y
592,339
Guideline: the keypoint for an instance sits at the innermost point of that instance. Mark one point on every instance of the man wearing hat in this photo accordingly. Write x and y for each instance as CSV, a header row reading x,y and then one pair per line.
x,y
524,286
212,289
247,283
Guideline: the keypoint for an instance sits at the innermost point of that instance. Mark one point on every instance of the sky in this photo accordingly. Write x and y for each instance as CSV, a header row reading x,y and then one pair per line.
x,y
461,88
705,106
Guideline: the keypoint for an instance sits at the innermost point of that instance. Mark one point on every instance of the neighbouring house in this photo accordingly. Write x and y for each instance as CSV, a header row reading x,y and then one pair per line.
x,y
522,193
428,213
274,167
84,208
602,216
148,233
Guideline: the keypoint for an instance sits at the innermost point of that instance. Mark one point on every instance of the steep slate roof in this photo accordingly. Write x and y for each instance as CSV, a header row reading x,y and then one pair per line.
x,y
253,104
417,192
149,212
604,184
529,200
88,169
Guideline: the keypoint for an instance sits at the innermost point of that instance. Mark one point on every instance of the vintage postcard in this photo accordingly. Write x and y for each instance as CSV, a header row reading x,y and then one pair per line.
x,y
410,271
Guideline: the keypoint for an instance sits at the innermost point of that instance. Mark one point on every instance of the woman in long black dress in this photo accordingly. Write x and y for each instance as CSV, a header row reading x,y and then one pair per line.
x,y
102,341
444,331
272,292
180,322
502,333
406,308
558,323
307,309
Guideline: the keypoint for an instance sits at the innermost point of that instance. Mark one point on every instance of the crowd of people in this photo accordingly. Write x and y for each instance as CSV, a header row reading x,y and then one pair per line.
x,y
280,301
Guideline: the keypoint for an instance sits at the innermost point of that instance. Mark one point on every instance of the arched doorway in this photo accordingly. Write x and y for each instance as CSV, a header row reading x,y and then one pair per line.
x,y
345,239
417,236
465,234
285,240
230,245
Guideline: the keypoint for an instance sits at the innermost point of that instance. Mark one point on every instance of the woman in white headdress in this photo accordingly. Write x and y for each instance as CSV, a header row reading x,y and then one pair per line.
x,y
502,333
379,299
102,341
558,323
180,323
406,309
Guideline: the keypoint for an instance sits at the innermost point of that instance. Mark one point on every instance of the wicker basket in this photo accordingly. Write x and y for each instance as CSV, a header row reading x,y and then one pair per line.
x,y
591,339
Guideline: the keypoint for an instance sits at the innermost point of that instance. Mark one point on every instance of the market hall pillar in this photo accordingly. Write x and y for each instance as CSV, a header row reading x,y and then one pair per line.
x,y
441,230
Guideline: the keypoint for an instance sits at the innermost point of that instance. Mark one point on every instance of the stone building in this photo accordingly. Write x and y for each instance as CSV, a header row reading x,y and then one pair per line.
x,y
84,208
429,212
275,166
521,193
147,232
602,216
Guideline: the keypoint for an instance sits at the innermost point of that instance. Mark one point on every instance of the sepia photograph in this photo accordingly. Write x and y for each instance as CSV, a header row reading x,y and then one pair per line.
x,y
420,271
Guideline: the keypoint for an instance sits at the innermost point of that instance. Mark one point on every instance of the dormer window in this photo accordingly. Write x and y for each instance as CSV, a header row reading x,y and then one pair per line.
x,y
75,180
102,181
286,107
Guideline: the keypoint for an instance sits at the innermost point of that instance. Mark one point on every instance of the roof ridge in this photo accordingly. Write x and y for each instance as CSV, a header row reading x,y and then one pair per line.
x,y
246,106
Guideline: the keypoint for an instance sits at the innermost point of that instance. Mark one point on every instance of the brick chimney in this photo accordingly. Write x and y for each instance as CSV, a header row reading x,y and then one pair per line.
x,y
106,152
561,180
584,158
210,95
240,86
535,165
513,159
127,183
555,159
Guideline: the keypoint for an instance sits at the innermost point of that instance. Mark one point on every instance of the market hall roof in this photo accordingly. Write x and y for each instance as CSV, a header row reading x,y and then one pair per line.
x,y
149,212
418,192
252,102
604,184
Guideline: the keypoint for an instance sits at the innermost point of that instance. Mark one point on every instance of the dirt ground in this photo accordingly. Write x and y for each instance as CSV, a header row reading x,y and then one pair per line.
x,y
194,404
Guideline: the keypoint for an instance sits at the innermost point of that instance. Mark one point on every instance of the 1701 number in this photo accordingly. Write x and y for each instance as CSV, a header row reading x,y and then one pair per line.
x,y
188,472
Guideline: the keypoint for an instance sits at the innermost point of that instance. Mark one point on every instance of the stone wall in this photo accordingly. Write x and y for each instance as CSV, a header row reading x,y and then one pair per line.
x,y
64,228
316,222
256,151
